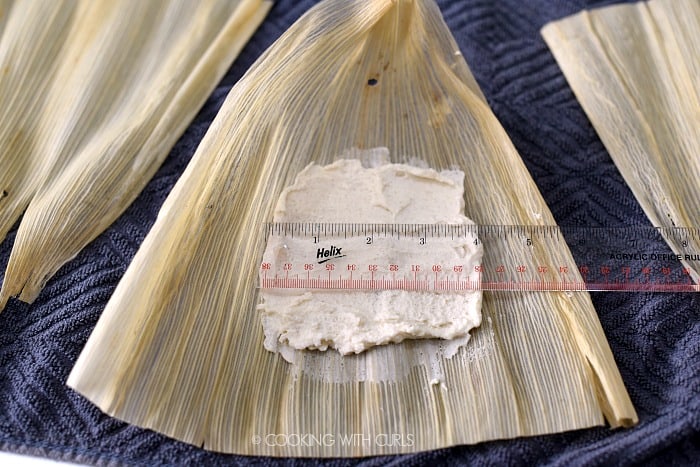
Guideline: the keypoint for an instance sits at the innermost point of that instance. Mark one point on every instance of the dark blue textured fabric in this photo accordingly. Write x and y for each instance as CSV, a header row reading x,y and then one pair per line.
x,y
654,337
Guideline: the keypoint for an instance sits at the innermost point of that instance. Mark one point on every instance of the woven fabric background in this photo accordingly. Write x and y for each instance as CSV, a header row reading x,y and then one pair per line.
x,y
654,337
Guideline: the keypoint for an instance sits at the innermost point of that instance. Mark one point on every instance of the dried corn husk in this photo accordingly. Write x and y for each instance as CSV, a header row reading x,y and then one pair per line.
x,y
93,96
179,347
636,71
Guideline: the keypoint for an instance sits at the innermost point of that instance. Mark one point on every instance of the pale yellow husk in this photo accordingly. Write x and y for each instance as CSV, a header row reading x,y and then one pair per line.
x,y
93,95
179,347
635,69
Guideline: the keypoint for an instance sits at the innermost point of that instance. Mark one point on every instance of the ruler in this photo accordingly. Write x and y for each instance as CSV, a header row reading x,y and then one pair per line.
x,y
366,256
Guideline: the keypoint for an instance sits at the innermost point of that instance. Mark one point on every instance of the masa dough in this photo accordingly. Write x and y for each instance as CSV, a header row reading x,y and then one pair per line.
x,y
353,321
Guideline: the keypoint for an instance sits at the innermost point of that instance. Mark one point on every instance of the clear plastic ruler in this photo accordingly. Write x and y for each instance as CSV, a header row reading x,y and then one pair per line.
x,y
334,256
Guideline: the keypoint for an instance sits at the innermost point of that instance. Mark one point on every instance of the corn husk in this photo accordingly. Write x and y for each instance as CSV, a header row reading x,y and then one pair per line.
x,y
179,348
93,95
635,69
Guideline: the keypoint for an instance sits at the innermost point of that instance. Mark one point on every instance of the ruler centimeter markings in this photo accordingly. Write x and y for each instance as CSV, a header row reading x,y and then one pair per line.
x,y
330,256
